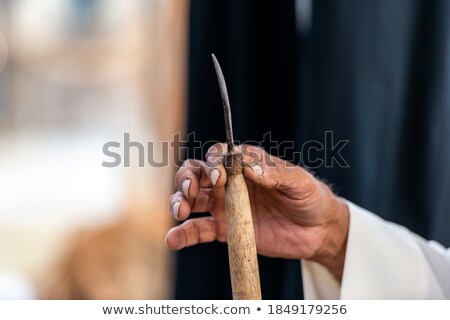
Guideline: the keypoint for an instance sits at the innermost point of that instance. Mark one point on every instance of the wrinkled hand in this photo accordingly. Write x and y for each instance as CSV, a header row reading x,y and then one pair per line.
x,y
294,214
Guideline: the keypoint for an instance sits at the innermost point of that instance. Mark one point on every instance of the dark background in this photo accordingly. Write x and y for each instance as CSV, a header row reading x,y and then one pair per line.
x,y
374,72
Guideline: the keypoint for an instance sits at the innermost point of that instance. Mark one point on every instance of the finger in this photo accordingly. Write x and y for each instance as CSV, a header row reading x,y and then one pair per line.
x,y
175,202
192,176
194,231
214,161
204,201
180,207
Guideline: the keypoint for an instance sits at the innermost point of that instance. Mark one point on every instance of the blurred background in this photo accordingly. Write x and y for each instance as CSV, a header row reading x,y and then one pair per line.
x,y
75,74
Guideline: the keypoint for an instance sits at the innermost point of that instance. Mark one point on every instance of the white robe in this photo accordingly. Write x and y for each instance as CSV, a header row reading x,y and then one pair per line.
x,y
383,261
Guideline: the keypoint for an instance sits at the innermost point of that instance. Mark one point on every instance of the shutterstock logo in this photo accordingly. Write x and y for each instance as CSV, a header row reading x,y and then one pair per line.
x,y
312,153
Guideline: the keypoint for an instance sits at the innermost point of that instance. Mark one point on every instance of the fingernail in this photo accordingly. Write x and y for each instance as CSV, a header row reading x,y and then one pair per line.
x,y
214,161
175,209
185,187
257,170
214,176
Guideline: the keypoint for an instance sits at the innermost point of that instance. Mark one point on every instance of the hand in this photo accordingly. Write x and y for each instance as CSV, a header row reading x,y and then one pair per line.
x,y
294,214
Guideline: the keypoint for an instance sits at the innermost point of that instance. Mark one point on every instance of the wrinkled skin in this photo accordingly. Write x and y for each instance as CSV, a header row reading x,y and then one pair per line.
x,y
295,215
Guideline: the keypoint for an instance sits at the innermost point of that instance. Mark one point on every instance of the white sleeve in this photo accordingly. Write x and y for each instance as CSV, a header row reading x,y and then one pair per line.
x,y
383,261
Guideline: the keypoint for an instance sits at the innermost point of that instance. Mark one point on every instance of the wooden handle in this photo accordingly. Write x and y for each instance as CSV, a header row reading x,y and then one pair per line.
x,y
240,233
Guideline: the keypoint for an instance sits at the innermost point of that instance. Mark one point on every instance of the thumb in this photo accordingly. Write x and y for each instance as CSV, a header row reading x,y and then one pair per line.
x,y
271,172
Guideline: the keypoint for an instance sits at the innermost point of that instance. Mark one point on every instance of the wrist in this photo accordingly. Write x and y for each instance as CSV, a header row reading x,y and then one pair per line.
x,y
332,251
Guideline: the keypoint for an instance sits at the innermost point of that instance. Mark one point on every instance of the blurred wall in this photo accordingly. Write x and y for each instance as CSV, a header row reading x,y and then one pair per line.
x,y
74,75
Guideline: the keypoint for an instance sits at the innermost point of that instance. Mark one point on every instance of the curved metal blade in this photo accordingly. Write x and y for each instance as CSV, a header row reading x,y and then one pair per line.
x,y
226,104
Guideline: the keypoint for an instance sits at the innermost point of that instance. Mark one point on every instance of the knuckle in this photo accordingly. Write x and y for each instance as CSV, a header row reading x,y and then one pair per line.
x,y
178,179
216,150
181,175
214,163
206,166
189,164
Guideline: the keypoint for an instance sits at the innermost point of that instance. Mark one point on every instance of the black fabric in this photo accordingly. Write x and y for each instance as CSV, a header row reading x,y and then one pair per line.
x,y
374,72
